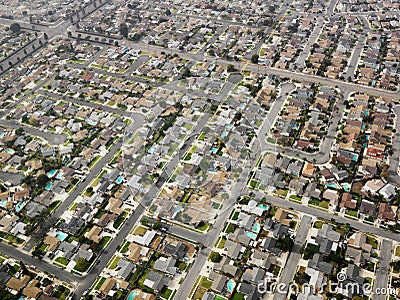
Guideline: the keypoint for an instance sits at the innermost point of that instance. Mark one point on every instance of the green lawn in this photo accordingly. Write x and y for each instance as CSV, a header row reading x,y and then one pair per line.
x,y
62,260
114,263
205,282
295,198
125,247
372,241
318,224
221,242
166,293
100,283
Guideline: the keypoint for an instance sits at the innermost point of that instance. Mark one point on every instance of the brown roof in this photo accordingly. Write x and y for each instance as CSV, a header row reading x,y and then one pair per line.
x,y
17,284
386,212
107,285
52,241
31,290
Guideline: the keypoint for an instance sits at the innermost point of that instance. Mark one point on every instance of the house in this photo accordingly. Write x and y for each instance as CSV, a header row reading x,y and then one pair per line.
x,y
373,186
262,259
177,250
388,192
165,265
219,282
317,263
125,269
233,249
156,281
347,201
254,275
386,212
368,208
226,266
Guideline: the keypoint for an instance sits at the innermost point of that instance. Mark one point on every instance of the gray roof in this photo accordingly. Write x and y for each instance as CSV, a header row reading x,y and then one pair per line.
x,y
166,265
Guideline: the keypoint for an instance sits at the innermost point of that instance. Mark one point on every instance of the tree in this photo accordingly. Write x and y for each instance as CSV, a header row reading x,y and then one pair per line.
x,y
144,221
230,68
19,131
215,257
123,30
42,180
254,59
157,225
15,27
46,37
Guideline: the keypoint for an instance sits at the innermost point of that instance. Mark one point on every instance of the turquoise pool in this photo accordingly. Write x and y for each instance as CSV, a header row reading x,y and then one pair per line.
x,y
263,207
151,150
251,235
230,285
256,227
51,173
3,203
59,175
9,151
61,235
48,186
214,150
19,206
346,187
331,185
119,179
132,295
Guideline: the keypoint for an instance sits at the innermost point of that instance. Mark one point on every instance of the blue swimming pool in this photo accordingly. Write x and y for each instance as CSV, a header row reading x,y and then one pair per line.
x,y
61,235
51,173
230,285
9,151
19,206
346,187
331,185
3,203
256,227
251,235
214,150
119,179
132,295
48,186
263,207
59,175
151,150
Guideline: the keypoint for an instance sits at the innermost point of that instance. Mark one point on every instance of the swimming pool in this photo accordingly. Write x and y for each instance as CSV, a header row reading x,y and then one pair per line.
x,y
214,150
151,150
51,173
263,207
256,227
132,295
230,285
3,203
19,206
9,151
59,175
61,235
251,235
48,186
119,179
331,185
346,187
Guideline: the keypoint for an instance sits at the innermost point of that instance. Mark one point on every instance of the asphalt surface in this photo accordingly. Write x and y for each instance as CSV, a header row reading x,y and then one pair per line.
x,y
52,138
294,257
382,273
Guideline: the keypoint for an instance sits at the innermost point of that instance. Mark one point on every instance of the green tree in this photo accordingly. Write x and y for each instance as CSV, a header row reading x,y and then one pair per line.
x,y
123,30
15,27
215,257
254,59
42,180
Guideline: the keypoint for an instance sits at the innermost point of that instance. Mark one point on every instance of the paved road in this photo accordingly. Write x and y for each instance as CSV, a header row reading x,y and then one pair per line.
x,y
39,264
300,63
292,262
52,138
382,273
328,216
394,177
355,55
